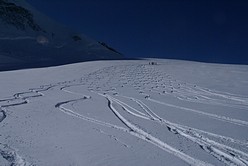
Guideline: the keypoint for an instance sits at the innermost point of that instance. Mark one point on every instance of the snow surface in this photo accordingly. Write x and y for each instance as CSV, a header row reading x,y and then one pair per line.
x,y
125,113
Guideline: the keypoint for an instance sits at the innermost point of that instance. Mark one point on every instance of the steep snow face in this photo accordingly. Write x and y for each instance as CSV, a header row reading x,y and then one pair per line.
x,y
28,36
125,113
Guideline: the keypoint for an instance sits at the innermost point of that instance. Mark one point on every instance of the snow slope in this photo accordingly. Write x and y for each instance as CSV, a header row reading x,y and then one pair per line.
x,y
32,39
125,113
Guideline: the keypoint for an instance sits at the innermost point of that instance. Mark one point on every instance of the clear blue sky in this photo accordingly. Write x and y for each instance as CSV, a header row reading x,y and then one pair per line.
x,y
205,30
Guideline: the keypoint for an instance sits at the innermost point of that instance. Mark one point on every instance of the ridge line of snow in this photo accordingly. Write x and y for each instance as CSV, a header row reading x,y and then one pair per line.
x,y
18,38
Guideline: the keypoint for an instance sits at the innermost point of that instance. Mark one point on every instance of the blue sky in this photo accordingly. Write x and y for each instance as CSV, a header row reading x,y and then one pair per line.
x,y
203,30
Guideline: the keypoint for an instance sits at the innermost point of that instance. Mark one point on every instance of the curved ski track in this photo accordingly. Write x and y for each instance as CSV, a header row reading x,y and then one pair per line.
x,y
6,151
143,78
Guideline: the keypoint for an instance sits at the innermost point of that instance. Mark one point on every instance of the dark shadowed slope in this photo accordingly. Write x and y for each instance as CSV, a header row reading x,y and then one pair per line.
x,y
30,39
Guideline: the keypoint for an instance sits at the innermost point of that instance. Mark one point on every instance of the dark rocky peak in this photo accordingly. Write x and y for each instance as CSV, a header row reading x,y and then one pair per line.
x,y
109,48
17,16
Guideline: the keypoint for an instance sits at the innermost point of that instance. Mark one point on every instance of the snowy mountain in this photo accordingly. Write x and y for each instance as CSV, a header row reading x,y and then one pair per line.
x,y
111,113
28,38
125,113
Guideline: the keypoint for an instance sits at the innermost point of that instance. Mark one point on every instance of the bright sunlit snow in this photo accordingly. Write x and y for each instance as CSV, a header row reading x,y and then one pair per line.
x,y
125,113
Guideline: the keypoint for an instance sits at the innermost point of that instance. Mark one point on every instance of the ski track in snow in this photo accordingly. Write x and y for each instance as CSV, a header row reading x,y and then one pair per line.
x,y
113,137
6,151
222,152
143,79
222,118
12,156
